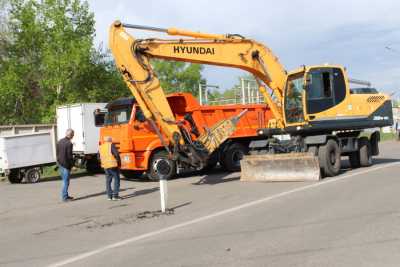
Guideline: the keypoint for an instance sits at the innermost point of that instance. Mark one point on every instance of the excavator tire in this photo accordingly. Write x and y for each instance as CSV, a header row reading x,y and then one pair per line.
x,y
152,173
329,158
365,152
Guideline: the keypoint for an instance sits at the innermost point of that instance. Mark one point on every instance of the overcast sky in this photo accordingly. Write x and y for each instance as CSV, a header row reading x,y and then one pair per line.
x,y
364,36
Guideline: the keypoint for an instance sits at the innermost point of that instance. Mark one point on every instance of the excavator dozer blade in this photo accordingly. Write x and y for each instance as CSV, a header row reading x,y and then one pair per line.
x,y
280,167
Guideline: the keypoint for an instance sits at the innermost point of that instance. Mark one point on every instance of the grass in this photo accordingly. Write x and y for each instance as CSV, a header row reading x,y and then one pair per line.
x,y
50,171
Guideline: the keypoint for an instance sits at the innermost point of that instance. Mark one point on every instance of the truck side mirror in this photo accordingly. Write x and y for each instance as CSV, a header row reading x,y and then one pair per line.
x,y
99,117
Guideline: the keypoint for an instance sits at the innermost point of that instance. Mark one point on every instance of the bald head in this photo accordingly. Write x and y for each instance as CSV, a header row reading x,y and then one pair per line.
x,y
69,133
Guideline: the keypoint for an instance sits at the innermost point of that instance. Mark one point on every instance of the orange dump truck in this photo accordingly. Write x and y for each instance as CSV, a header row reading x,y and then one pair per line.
x,y
140,147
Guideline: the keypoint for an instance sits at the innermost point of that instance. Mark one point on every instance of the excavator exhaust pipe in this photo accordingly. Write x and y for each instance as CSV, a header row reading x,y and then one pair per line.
x,y
290,167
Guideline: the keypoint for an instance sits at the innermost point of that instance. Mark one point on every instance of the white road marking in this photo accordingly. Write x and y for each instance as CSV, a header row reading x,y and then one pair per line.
x,y
216,214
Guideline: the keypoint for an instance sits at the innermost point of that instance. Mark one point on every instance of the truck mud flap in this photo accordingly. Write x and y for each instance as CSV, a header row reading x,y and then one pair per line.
x,y
288,167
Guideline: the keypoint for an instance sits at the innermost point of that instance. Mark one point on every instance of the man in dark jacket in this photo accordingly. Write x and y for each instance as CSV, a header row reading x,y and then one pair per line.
x,y
65,162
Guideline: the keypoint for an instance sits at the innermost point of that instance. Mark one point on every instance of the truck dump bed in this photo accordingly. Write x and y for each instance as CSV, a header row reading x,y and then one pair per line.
x,y
257,115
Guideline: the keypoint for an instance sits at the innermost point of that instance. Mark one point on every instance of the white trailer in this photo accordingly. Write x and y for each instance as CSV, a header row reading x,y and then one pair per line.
x,y
25,155
80,118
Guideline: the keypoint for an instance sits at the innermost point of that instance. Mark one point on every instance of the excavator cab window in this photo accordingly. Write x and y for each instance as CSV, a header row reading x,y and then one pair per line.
x,y
319,90
294,101
325,89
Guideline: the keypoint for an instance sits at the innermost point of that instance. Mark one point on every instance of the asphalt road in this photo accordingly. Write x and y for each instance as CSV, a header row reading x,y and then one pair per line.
x,y
350,220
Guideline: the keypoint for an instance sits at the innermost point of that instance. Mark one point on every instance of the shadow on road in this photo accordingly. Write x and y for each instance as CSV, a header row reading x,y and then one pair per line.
x,y
101,194
181,205
376,161
212,179
141,192
384,160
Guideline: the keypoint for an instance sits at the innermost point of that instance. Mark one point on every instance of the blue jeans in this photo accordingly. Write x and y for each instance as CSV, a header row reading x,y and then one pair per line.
x,y
110,175
65,174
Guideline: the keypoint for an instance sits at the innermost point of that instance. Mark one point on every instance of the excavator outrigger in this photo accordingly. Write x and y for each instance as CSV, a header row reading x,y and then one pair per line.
x,y
313,104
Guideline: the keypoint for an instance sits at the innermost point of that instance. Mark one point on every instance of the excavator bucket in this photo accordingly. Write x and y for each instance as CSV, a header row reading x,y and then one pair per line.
x,y
288,167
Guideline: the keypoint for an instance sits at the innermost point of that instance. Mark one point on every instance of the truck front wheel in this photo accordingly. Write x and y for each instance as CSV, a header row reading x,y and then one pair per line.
x,y
152,172
329,158
232,156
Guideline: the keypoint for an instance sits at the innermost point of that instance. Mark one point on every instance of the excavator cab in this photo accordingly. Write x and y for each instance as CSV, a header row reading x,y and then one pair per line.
x,y
313,92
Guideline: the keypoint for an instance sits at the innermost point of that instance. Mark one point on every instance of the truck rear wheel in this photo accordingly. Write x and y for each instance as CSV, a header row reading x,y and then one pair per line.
x,y
152,172
32,175
329,158
365,152
15,176
232,156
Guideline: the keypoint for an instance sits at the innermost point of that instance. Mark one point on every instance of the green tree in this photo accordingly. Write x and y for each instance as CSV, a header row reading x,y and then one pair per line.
x,y
3,31
51,61
178,76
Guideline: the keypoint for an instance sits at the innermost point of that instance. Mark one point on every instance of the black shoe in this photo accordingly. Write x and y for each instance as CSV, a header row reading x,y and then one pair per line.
x,y
117,198
70,198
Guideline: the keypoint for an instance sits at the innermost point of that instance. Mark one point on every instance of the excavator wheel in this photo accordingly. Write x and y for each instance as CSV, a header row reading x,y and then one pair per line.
x,y
329,158
363,156
365,152
157,156
232,156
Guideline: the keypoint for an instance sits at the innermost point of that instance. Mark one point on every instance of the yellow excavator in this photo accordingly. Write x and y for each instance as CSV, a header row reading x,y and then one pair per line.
x,y
317,117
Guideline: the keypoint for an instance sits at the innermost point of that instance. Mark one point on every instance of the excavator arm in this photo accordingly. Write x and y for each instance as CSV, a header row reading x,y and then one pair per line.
x,y
133,62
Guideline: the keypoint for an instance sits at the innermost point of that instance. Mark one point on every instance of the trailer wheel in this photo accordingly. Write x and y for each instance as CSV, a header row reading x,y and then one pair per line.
x,y
152,173
32,175
365,152
15,176
329,158
232,156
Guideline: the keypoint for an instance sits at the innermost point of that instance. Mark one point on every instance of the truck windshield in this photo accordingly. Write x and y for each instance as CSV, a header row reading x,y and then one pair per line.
x,y
293,99
118,115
